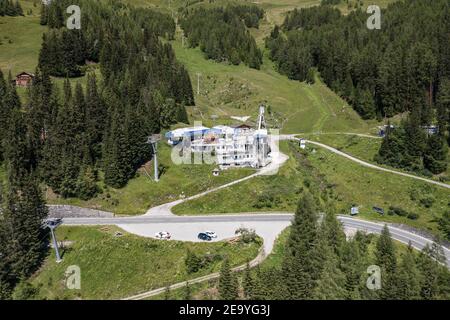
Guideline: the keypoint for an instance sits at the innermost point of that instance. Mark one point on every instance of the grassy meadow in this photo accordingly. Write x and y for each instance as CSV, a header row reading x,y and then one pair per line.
x,y
114,267
142,192
347,182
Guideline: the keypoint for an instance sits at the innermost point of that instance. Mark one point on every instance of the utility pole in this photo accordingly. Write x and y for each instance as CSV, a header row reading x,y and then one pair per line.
x,y
52,224
198,83
153,140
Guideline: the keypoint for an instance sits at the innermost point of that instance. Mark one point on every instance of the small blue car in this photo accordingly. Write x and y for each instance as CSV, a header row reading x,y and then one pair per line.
x,y
204,237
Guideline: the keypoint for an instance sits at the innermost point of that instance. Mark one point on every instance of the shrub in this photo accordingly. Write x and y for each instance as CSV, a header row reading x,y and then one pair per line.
x,y
266,200
427,201
25,291
397,211
246,235
413,216
193,262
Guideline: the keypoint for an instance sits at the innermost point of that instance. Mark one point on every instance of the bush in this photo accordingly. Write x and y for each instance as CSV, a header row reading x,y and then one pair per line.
x,y
413,216
266,200
25,291
192,262
397,211
444,224
427,201
246,235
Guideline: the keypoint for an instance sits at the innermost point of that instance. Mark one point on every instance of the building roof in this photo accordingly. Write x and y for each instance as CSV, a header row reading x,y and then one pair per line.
x,y
190,131
241,125
25,73
223,129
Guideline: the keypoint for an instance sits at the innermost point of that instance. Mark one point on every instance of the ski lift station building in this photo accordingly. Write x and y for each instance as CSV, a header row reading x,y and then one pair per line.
x,y
240,146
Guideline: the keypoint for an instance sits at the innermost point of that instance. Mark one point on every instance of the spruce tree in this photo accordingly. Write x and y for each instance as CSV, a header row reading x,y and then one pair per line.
x,y
248,282
352,265
443,106
11,99
22,238
415,142
387,261
429,268
331,282
228,285
435,154
96,117
298,262
4,112
408,277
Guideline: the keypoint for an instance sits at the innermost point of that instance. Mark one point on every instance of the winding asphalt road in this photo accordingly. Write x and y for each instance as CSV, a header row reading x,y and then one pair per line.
x,y
266,225
184,226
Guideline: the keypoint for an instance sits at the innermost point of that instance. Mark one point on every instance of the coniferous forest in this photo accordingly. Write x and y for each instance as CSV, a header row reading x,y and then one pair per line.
x,y
99,92
222,33
318,262
104,126
10,8
64,138
402,68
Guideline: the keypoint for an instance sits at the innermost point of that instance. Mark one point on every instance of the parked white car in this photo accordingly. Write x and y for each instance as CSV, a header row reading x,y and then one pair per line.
x,y
164,235
212,234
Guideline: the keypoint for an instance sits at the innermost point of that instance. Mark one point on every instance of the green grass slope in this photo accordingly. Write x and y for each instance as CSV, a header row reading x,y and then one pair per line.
x,y
116,267
142,192
347,182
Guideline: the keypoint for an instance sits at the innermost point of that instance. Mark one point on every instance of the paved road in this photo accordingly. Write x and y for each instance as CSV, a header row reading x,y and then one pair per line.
x,y
267,225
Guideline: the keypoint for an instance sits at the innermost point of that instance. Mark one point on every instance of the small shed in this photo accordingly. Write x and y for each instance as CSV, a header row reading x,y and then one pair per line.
x,y
216,172
302,143
24,79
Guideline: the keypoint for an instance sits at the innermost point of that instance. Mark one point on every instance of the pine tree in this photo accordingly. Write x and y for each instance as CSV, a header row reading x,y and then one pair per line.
x,y
429,286
392,150
443,106
11,99
22,238
248,282
116,161
333,231
228,285
44,14
351,263
192,262
435,154
387,261
310,76
331,283
96,117
299,262
414,142
4,112
408,277
444,224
